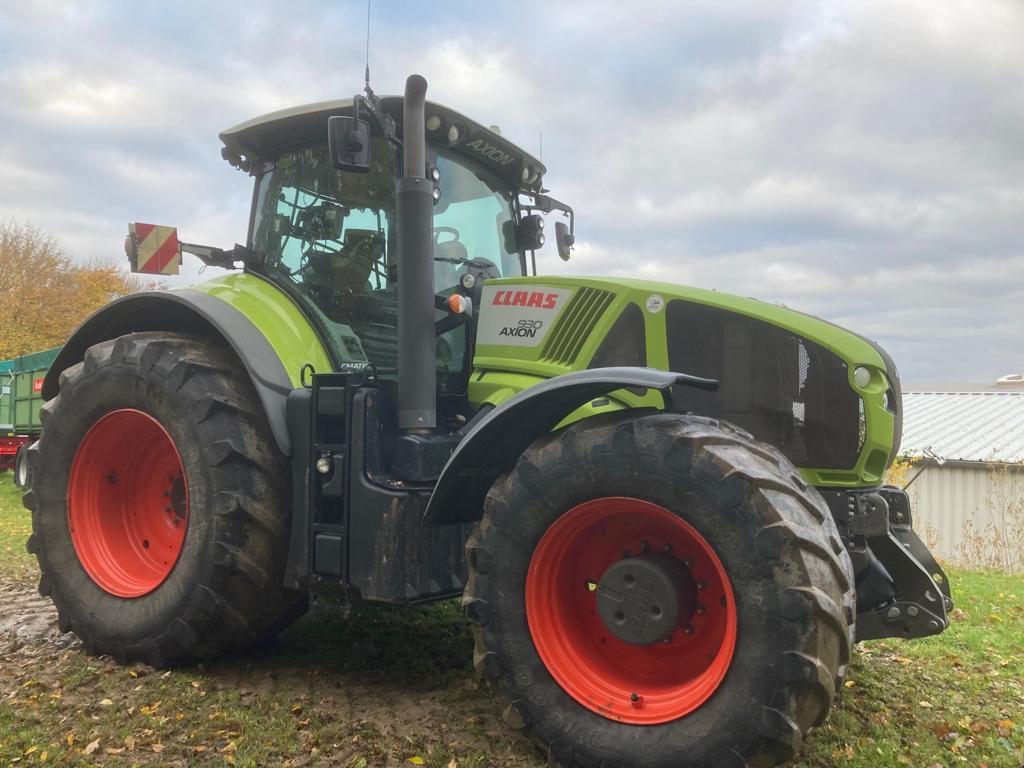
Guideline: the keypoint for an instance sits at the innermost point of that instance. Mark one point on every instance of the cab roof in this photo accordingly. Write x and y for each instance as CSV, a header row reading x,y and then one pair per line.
x,y
269,135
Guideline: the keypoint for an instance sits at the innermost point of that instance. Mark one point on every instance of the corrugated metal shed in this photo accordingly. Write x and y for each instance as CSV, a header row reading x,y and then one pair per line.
x,y
964,426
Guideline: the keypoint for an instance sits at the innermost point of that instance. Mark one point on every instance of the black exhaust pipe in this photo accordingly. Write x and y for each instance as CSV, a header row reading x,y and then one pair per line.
x,y
417,382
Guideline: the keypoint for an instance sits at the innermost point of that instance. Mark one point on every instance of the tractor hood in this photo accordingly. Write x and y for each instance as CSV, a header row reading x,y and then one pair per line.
x,y
827,397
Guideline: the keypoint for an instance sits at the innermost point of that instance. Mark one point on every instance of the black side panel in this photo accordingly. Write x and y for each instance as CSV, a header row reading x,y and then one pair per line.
x,y
626,342
392,556
187,312
786,390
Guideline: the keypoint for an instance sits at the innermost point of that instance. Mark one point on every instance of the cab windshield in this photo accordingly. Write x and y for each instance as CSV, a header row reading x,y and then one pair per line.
x,y
328,237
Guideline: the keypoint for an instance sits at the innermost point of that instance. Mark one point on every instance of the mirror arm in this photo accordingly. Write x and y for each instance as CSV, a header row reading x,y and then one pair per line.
x,y
385,122
547,204
218,257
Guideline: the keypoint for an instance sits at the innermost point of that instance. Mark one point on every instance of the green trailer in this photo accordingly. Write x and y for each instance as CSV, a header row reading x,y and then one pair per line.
x,y
21,396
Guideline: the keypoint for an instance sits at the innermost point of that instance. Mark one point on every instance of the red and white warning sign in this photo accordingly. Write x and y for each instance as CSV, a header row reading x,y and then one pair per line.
x,y
153,249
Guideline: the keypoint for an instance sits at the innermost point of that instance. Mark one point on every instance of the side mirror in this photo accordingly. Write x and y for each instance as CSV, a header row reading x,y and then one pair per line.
x,y
563,239
348,140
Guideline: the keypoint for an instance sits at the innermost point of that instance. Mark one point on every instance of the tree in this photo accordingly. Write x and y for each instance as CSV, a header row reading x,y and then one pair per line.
x,y
44,295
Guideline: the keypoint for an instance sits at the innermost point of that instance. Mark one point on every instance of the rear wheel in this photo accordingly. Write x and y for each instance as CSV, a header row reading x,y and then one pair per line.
x,y
21,467
660,590
162,527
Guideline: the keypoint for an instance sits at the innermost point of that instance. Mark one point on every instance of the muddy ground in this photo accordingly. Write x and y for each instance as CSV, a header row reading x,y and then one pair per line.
x,y
385,688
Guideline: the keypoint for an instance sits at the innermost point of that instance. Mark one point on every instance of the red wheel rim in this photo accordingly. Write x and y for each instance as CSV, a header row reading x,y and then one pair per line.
x,y
639,684
127,503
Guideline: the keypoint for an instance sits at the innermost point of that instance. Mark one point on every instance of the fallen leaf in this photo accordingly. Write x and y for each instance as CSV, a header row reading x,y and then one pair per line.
x,y
150,709
91,747
416,760
106,703
158,748
129,741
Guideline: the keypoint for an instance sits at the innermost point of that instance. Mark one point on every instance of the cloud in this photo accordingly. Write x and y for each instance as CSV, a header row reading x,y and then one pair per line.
x,y
859,160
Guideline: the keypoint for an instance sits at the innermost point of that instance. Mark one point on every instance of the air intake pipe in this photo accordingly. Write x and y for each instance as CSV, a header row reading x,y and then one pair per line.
x,y
417,378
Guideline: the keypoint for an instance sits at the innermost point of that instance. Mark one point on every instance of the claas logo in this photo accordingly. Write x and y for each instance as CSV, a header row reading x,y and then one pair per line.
x,y
526,299
153,249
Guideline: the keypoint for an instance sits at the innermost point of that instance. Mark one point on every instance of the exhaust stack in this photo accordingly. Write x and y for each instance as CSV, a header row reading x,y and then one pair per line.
x,y
417,379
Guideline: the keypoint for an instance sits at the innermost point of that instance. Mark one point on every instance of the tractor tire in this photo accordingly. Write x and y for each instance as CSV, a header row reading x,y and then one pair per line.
x,y
160,503
21,479
605,514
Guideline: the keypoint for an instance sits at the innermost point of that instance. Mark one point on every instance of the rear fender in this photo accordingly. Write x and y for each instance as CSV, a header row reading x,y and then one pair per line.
x,y
496,441
264,328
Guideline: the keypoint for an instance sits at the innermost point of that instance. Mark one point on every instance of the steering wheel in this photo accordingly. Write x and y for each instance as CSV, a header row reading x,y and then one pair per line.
x,y
438,231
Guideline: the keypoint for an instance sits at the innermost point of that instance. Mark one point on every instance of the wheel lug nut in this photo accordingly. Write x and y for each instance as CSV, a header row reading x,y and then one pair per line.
x,y
701,585
637,700
668,549
688,630
701,610
644,546
687,561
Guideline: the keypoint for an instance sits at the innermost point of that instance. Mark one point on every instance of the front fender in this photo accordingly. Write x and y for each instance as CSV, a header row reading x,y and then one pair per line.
x,y
497,441
265,329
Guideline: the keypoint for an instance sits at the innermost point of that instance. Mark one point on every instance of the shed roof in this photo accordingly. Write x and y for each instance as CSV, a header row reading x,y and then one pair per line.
x,y
964,426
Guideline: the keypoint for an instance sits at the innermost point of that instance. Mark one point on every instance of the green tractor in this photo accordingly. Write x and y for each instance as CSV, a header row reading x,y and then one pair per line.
x,y
663,507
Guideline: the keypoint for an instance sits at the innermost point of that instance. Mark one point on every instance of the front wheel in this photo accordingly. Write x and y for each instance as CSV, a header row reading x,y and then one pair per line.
x,y
160,502
660,590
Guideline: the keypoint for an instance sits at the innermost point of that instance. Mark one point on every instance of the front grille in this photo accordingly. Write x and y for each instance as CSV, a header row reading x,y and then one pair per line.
x,y
575,326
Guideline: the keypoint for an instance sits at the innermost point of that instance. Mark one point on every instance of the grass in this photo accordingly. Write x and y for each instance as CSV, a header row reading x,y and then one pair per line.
x,y
15,526
386,686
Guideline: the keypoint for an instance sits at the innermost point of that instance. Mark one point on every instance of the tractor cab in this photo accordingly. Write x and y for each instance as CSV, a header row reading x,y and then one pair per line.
x,y
328,236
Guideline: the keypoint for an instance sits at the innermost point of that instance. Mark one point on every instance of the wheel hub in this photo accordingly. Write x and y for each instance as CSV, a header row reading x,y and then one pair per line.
x,y
599,637
127,503
642,600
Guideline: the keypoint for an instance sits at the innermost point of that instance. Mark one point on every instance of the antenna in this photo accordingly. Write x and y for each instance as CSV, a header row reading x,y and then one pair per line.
x,y
541,157
368,89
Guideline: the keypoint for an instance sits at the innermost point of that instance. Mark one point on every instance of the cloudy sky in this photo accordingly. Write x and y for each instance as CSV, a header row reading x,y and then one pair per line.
x,y
863,161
